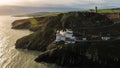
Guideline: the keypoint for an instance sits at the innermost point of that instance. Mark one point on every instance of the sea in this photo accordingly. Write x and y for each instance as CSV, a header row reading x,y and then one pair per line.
x,y
16,58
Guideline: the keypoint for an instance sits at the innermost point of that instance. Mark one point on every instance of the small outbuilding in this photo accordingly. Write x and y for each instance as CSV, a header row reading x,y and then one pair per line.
x,y
105,38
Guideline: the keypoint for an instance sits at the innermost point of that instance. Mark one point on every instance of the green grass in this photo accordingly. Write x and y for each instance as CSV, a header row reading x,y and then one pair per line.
x,y
106,11
99,11
51,14
33,21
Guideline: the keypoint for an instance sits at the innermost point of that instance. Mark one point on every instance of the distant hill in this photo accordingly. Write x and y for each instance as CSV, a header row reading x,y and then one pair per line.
x,y
20,10
32,14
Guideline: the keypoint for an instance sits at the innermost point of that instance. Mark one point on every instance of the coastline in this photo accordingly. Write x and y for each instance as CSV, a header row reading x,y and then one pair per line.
x,y
44,36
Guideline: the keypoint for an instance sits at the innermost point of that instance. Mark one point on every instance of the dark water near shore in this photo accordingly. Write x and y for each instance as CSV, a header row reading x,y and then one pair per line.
x,y
9,56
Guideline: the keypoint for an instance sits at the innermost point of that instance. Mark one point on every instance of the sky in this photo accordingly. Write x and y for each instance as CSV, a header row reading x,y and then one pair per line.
x,y
63,3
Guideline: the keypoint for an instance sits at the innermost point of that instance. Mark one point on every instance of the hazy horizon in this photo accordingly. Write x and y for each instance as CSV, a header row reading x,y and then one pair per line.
x,y
24,6
63,3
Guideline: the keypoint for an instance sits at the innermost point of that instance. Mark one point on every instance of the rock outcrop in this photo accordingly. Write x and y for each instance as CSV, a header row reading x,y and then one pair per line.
x,y
27,23
72,20
78,54
21,24
84,55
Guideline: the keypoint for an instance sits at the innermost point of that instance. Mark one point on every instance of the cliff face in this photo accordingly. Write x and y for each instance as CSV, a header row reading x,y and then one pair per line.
x,y
72,20
94,53
83,19
28,23
21,24
113,16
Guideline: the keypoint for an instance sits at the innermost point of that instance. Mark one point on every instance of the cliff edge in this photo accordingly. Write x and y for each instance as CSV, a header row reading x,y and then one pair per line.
x,y
74,54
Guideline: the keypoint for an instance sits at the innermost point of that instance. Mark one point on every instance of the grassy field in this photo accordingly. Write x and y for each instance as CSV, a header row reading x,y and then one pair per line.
x,y
109,11
51,14
117,10
106,10
33,21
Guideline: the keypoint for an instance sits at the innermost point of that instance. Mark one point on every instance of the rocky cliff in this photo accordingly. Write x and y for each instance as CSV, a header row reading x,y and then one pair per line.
x,y
72,20
32,24
84,55
78,54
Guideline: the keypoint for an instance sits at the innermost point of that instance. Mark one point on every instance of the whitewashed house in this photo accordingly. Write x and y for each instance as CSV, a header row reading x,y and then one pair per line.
x,y
69,34
105,38
60,36
66,36
70,39
84,39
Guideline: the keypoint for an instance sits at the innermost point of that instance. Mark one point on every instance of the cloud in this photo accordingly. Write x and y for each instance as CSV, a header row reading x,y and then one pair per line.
x,y
53,2
65,3
62,2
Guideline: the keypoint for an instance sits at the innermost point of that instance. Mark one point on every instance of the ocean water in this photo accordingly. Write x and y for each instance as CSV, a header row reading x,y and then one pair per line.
x,y
11,57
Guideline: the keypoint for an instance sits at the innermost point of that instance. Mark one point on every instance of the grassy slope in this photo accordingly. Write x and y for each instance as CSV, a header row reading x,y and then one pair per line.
x,y
115,10
40,40
109,11
34,21
57,13
99,11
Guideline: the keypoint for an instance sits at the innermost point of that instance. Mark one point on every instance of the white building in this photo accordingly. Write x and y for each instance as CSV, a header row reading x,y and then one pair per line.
x,y
84,39
60,36
69,34
66,36
70,41
105,38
